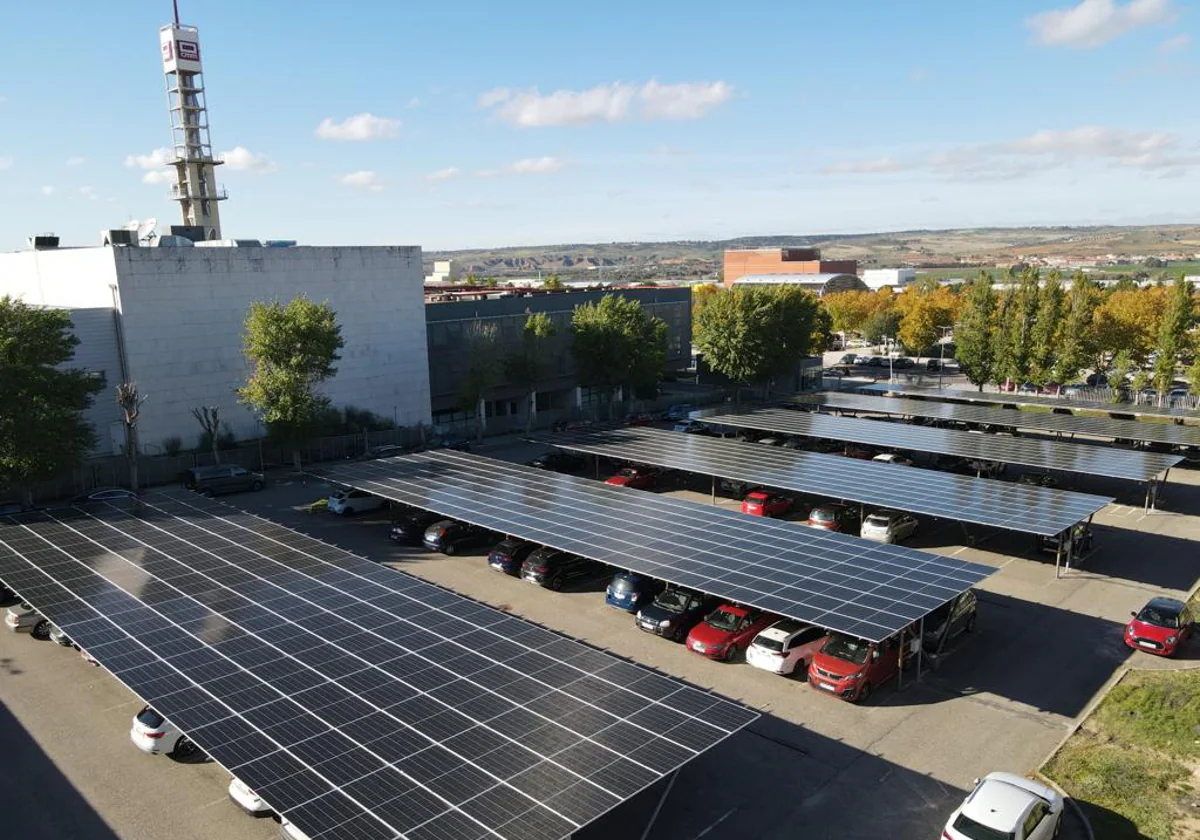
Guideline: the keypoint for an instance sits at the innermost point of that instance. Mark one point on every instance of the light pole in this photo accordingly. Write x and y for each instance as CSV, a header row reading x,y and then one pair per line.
x,y
887,348
942,363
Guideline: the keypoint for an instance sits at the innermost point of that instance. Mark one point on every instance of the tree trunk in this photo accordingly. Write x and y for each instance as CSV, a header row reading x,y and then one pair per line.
x,y
480,419
531,410
296,461
216,450
131,453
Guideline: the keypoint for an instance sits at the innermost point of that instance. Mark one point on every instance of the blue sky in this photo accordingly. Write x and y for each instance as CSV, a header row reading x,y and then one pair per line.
x,y
470,124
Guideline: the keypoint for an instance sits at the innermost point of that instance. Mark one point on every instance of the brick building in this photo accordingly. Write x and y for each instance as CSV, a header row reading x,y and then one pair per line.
x,y
800,260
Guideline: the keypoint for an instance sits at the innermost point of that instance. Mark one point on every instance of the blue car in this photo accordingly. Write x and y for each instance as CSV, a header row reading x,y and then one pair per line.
x,y
630,592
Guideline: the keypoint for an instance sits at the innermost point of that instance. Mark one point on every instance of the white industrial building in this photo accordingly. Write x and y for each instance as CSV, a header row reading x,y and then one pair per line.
x,y
877,278
172,319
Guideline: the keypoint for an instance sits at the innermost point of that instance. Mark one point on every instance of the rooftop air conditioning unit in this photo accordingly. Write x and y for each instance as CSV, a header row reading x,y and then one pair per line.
x,y
42,241
170,241
119,237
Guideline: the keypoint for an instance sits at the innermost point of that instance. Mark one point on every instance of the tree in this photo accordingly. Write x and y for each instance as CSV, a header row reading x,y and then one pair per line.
x,y
1193,377
884,322
850,310
975,335
1121,364
1172,334
922,310
553,283
293,348
702,293
483,371
130,403
1077,341
1129,320
616,344
1043,347
42,428
209,418
526,365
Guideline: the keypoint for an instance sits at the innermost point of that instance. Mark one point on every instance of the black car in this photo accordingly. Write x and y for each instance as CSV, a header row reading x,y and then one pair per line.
x,y
557,461
950,619
674,612
450,536
875,361
902,363
554,569
456,442
410,528
508,555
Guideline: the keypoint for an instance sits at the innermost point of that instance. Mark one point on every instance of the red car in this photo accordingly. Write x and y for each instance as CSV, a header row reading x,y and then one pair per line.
x,y
1160,628
640,419
762,503
727,630
640,478
834,517
851,668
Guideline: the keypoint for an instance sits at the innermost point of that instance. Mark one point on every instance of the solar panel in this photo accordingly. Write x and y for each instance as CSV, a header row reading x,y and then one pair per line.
x,y
1042,454
1136,409
358,701
840,582
1000,504
1057,423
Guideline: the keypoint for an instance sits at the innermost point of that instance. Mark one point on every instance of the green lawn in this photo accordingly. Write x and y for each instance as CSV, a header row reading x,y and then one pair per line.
x,y
1130,765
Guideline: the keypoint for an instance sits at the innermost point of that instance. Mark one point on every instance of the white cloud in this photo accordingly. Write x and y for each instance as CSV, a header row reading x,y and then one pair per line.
x,y
364,179
1178,43
88,192
363,126
444,174
155,159
47,191
241,159
606,103
160,176
1092,23
415,102
5,163
864,167
536,166
76,160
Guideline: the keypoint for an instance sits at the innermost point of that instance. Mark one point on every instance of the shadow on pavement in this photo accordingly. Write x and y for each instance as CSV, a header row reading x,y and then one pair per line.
x,y
36,799
1106,824
1154,559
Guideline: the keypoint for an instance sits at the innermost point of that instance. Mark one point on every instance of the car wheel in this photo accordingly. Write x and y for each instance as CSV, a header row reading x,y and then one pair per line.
x,y
449,548
864,693
556,583
184,748
41,630
730,653
677,634
258,485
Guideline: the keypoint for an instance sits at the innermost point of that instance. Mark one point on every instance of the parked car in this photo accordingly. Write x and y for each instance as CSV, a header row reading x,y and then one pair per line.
x,y
248,800
9,508
888,526
508,555
388,450
859,451
893,458
409,528
455,442
152,733
222,478
793,443
630,592
641,478
288,831
554,569
728,630
1037,480
691,427
450,536
59,637
674,612
104,494
640,418
1160,627
559,461
1005,806
772,440
678,412
786,647
902,363
833,517
874,361
22,618
950,619
852,668
571,425
1080,532
350,502
763,503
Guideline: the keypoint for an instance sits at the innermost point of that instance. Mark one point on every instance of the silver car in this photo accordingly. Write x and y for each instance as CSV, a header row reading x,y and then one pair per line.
x,y
23,618
888,526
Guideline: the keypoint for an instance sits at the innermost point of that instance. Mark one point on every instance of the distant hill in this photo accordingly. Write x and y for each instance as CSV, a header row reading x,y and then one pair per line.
x,y
690,260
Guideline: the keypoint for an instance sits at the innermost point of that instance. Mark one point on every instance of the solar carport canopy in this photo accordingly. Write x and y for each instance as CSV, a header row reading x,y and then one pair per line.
x,y
981,501
360,702
1042,454
839,582
1007,417
1016,398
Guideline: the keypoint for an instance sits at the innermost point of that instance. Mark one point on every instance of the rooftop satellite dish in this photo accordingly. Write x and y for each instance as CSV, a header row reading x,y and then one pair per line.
x,y
146,230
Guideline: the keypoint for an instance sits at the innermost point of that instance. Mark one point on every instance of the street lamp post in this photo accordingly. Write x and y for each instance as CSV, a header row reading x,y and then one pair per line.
x,y
942,362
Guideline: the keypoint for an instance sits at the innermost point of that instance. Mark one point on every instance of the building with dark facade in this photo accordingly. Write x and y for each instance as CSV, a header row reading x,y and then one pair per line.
x,y
450,325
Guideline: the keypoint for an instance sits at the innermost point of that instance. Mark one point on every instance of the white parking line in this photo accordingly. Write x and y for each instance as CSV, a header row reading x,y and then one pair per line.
x,y
133,702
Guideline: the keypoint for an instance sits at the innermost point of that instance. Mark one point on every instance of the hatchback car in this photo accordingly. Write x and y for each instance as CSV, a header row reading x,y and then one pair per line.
x,y
630,592
350,502
727,630
248,800
950,619
641,478
859,451
786,647
222,478
762,503
508,555
833,517
450,536
22,618
152,733
888,526
1005,805
409,529
893,458
678,412
558,461
640,418
554,569
674,612
1160,627
691,427
455,442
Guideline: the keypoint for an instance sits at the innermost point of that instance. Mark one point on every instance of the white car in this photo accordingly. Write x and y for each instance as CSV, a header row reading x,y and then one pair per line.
x,y
690,427
350,502
892,458
786,647
888,526
22,618
288,831
248,800
152,733
1007,805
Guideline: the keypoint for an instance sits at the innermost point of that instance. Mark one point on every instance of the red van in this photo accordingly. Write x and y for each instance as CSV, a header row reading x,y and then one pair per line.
x,y
852,668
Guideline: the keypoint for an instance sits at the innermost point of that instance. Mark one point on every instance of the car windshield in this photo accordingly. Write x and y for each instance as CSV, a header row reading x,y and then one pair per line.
x,y
1159,618
628,472
768,643
151,718
673,600
823,514
879,520
723,619
968,828
847,648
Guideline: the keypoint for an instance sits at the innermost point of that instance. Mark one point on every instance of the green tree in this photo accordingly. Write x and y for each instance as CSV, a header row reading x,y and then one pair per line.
x,y
483,371
1193,377
884,322
1043,336
293,348
553,283
1121,364
616,344
1077,340
1129,319
42,429
975,335
527,364
1172,334
922,310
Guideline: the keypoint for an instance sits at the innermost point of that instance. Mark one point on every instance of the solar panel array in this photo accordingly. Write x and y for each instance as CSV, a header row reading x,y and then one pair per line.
x,y
1042,454
999,504
995,398
359,701
1007,417
833,580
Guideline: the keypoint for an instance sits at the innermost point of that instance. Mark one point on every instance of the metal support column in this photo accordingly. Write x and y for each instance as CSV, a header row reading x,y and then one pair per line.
x,y
921,643
714,489
597,465
1058,559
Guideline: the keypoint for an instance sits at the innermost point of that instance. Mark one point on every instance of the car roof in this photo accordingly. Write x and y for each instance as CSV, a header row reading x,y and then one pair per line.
x,y
999,802
1166,604
736,609
886,512
758,494
780,630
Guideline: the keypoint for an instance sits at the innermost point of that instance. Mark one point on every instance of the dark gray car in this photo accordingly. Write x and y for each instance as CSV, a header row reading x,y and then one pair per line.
x,y
220,478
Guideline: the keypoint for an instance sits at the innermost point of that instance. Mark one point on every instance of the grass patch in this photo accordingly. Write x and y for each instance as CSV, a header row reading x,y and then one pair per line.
x,y
1130,764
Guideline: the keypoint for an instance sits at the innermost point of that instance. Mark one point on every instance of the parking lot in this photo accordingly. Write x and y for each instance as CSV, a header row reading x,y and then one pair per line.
x,y
1002,699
